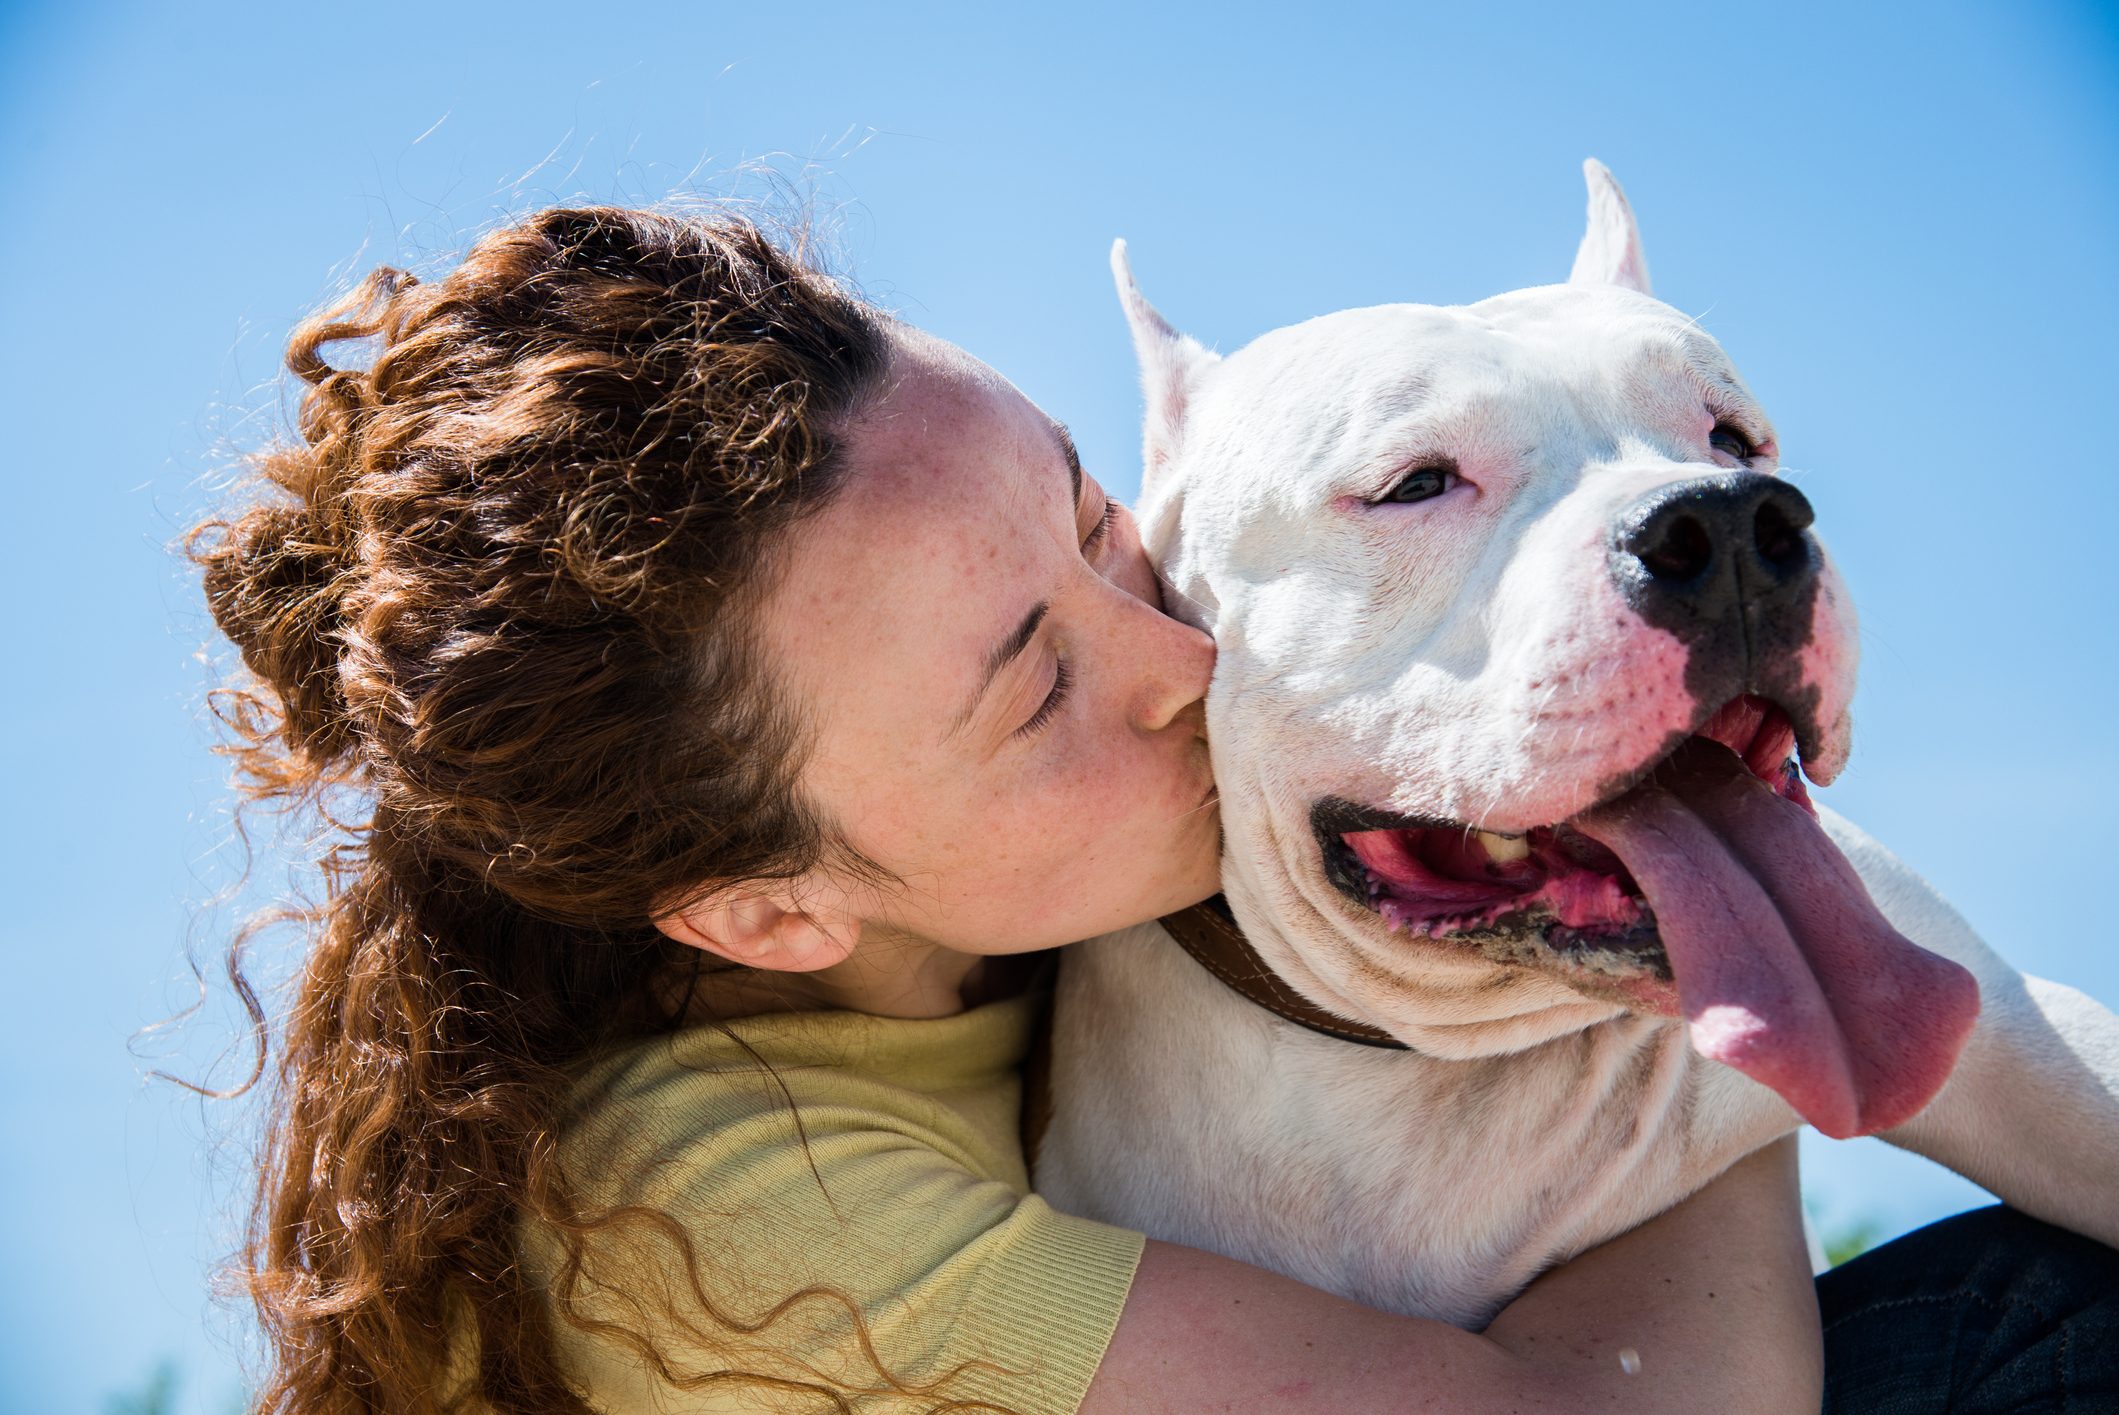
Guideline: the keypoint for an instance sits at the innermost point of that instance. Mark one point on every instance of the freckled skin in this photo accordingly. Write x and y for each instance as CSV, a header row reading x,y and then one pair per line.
x,y
955,521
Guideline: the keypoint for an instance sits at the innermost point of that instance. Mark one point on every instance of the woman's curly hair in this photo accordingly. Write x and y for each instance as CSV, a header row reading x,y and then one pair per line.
x,y
496,593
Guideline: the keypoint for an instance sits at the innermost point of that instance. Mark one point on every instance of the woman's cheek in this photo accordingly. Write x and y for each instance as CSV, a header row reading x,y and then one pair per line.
x,y
1082,778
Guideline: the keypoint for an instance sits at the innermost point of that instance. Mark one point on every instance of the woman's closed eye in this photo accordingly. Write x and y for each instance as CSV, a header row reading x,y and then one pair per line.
x,y
1102,530
1062,680
1062,675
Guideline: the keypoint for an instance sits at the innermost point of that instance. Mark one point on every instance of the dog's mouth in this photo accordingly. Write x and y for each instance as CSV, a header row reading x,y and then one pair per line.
x,y
1704,888
1586,910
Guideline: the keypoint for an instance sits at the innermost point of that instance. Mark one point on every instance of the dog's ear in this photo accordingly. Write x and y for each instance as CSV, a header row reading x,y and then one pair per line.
x,y
1611,247
1170,367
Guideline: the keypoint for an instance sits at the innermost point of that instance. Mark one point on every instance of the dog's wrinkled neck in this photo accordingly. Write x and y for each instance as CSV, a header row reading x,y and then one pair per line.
x,y
1210,935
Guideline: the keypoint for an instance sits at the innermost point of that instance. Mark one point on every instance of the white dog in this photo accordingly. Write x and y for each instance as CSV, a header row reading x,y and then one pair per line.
x,y
1520,637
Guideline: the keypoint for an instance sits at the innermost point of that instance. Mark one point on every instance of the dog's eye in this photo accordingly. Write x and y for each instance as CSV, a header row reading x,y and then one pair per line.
x,y
1421,484
1729,440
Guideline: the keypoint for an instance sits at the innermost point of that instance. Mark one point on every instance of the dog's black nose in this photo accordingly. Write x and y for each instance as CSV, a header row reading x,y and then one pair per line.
x,y
1702,550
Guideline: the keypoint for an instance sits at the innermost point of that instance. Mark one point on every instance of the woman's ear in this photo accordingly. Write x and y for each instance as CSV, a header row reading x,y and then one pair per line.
x,y
788,927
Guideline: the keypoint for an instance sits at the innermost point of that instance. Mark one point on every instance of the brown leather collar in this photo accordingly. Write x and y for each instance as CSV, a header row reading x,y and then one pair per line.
x,y
1209,933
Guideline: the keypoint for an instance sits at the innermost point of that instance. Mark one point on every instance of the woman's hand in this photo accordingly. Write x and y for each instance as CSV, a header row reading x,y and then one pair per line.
x,y
1708,1307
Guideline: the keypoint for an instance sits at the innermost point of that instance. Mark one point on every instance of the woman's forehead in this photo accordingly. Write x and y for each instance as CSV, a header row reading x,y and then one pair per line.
x,y
948,448
938,410
940,538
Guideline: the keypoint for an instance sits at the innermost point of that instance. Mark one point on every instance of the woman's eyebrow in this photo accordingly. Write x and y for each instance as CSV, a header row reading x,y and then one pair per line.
x,y
1065,439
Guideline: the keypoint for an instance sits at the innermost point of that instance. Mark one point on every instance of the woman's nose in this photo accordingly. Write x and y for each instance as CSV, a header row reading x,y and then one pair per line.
x,y
1177,664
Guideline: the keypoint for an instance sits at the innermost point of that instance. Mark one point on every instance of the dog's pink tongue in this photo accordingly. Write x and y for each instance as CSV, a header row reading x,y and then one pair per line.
x,y
1784,968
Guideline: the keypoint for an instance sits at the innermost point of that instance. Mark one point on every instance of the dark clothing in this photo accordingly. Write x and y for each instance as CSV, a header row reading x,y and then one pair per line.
x,y
1984,1313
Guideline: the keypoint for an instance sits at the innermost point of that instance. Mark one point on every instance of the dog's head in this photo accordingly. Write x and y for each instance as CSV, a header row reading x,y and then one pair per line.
x,y
1525,650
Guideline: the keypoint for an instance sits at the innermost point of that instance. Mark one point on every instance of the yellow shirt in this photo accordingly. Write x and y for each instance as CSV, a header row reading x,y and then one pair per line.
x,y
895,1176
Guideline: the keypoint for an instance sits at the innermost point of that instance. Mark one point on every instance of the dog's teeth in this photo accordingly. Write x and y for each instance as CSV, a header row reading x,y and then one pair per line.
x,y
1505,849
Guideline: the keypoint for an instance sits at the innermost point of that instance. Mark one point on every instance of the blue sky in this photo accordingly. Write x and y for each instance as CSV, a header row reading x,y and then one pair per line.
x,y
1899,219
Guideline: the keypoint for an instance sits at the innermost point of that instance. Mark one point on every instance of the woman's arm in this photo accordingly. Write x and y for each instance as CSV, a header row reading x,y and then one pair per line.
x,y
1713,1299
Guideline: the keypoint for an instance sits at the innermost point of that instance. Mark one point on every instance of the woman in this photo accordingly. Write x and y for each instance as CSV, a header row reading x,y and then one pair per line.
x,y
737,684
